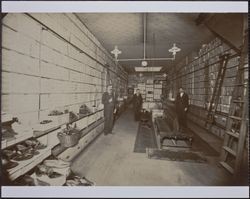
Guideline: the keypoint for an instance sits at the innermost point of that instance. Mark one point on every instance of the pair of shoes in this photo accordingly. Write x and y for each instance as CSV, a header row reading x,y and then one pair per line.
x,y
22,156
20,152
26,149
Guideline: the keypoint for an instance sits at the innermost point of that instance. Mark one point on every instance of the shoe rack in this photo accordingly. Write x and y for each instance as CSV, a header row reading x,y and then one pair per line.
x,y
90,126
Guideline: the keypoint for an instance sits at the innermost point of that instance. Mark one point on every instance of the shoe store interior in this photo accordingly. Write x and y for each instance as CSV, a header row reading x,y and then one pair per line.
x,y
124,99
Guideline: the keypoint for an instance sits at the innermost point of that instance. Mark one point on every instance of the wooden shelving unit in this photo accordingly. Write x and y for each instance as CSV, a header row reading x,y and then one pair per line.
x,y
198,75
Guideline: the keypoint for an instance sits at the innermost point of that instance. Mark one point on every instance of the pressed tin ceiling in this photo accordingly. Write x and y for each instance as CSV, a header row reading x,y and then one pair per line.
x,y
162,30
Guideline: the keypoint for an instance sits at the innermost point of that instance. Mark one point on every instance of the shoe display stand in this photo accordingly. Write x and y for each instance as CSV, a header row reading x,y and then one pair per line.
x,y
90,126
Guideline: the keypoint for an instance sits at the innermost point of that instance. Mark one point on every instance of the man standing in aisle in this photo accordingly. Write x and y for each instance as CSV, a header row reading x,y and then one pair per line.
x,y
137,102
181,105
109,102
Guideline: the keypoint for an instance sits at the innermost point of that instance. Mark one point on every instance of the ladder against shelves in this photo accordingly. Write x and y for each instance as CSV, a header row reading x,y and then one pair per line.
x,y
217,90
237,121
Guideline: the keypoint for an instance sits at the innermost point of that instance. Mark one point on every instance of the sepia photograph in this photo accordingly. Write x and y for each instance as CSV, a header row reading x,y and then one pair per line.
x,y
152,99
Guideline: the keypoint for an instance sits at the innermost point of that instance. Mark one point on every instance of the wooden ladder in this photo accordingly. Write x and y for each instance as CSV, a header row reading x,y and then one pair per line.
x,y
217,90
237,121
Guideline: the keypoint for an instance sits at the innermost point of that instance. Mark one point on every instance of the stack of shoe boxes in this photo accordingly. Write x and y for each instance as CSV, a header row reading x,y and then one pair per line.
x,y
198,77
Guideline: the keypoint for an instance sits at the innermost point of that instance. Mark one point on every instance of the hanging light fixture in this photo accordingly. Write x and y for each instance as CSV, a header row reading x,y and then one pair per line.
x,y
116,52
144,60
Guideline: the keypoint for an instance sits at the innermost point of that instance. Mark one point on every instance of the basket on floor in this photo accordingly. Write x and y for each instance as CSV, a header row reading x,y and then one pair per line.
x,y
69,139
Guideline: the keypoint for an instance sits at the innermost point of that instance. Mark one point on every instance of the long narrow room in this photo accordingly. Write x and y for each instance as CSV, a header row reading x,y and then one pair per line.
x,y
124,99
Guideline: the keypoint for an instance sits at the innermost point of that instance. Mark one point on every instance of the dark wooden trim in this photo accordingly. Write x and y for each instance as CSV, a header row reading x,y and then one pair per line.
x,y
225,40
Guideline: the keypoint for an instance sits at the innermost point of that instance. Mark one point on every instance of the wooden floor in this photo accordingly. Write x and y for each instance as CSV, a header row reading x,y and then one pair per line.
x,y
110,161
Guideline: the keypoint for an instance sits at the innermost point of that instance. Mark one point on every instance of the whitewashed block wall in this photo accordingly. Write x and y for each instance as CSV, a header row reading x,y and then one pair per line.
x,y
43,68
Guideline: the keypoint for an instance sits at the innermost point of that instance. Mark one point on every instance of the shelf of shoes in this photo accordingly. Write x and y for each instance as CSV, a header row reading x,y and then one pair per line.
x,y
81,123
25,165
93,122
22,133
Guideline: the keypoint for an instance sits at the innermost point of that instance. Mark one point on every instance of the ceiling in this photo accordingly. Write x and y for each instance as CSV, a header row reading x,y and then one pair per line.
x,y
126,30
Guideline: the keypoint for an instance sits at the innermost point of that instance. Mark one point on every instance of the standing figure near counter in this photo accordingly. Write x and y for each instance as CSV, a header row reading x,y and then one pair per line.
x,y
181,105
109,102
137,102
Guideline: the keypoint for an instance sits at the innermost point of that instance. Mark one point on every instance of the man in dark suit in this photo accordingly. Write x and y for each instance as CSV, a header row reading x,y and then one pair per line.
x,y
109,102
181,105
137,102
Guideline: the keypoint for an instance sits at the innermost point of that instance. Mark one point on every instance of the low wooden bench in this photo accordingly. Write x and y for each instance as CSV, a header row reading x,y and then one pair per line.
x,y
163,131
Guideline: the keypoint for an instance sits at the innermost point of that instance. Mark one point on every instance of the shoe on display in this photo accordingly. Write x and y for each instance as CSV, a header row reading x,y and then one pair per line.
x,y
22,155
22,148
45,121
40,146
9,153
30,143
7,164
54,174
33,151
55,112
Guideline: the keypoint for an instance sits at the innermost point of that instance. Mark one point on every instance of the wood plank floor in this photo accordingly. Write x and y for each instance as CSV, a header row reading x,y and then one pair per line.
x,y
110,161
